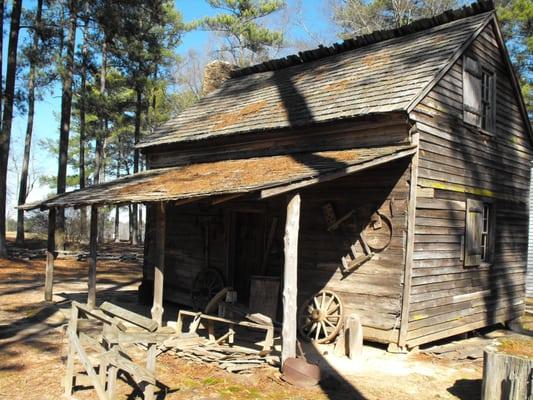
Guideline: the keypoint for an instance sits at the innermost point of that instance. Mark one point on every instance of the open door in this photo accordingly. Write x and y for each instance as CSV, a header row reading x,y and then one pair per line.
x,y
248,248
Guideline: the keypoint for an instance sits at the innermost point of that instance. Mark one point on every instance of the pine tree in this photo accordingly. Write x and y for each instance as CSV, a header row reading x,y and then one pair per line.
x,y
33,57
7,117
516,17
66,109
246,39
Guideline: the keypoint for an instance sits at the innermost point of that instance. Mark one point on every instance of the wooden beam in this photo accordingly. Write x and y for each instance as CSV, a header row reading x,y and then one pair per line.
x,y
411,221
159,272
290,279
50,249
91,293
223,199
326,177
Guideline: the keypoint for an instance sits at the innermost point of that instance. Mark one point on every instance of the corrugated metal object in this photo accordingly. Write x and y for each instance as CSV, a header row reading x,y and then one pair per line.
x,y
298,372
223,177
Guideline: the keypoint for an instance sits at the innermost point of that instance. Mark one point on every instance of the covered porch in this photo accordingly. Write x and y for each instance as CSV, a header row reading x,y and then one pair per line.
x,y
242,191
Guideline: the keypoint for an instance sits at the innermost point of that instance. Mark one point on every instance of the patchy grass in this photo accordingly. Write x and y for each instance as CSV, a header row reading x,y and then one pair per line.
x,y
520,346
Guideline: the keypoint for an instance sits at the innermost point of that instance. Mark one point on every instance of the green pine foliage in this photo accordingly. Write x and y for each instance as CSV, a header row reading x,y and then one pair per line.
x,y
246,38
516,18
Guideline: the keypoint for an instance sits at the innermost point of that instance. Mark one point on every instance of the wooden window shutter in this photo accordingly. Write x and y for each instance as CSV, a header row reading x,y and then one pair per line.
x,y
472,91
473,229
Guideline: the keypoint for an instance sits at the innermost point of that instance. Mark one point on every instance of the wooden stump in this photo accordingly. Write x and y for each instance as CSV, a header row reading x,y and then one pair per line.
x,y
507,370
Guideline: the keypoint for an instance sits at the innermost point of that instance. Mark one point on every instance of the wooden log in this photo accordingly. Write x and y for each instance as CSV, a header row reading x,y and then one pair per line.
x,y
354,334
91,294
49,277
157,308
507,370
290,279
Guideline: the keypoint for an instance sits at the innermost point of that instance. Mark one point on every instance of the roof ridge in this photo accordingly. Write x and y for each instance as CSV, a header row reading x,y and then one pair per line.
x,y
479,7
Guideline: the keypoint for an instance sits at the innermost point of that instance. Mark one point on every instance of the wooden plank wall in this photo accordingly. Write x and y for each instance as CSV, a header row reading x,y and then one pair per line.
x,y
459,162
529,275
373,291
370,131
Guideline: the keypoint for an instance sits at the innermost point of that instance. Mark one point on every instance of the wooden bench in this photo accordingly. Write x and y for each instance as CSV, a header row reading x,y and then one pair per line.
x,y
110,358
210,320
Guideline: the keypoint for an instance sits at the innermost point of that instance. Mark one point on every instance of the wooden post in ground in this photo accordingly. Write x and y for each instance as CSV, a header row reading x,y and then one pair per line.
x,y
290,276
93,240
507,374
354,334
50,249
159,271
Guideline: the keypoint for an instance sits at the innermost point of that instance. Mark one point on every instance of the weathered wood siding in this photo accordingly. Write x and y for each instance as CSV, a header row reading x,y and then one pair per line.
x,y
378,130
457,162
373,291
529,275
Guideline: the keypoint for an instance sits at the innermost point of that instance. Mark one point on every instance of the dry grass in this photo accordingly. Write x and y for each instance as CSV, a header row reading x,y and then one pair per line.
x,y
520,347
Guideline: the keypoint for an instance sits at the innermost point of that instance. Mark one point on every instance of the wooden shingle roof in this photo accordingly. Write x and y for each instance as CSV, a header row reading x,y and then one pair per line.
x,y
196,181
336,83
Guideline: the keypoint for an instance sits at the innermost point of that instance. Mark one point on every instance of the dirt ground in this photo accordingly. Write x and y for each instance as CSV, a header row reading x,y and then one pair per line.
x,y
32,350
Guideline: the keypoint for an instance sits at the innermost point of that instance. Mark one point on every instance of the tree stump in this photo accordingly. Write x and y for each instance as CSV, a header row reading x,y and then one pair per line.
x,y
507,370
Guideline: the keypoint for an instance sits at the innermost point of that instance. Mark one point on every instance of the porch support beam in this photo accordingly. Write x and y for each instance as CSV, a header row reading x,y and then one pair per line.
x,y
159,270
411,221
290,278
50,250
93,248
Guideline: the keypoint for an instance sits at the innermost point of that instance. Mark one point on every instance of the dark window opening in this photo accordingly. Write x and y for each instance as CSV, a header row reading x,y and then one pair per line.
x,y
487,101
485,232
479,95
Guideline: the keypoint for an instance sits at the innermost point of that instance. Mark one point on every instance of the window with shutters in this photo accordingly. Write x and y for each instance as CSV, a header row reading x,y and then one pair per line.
x,y
479,95
478,243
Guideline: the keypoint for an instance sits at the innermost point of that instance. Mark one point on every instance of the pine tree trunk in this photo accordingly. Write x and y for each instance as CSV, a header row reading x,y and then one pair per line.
x,y
101,139
130,211
117,211
7,117
64,128
23,187
137,137
1,55
83,95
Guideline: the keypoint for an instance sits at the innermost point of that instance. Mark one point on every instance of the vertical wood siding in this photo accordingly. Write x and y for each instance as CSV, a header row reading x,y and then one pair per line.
x,y
458,162
529,275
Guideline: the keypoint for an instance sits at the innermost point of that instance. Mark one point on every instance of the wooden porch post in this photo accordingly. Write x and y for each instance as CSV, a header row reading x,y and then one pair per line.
x,y
50,249
91,293
159,270
290,279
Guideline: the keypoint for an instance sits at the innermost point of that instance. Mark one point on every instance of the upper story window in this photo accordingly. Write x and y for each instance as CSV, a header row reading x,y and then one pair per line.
x,y
479,95
479,243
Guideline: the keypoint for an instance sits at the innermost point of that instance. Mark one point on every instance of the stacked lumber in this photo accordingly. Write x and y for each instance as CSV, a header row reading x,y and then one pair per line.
x,y
231,359
26,254
79,255
235,359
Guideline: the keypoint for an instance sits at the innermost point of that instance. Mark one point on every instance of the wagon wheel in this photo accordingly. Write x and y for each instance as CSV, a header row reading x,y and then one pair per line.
x,y
378,239
320,318
207,283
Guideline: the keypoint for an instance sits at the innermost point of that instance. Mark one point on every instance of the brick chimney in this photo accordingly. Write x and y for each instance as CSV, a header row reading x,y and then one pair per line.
x,y
215,74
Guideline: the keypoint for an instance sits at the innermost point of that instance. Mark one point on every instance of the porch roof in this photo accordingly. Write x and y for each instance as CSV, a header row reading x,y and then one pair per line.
x,y
271,175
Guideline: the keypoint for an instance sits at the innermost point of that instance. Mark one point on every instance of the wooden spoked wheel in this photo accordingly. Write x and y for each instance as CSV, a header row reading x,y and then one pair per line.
x,y
321,317
207,283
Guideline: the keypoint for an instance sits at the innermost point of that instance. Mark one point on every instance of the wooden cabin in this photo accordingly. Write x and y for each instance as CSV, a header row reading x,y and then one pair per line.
x,y
406,155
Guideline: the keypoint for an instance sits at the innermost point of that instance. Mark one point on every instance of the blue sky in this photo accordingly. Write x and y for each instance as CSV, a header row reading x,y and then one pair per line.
x,y
313,15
